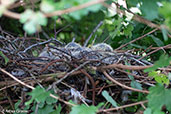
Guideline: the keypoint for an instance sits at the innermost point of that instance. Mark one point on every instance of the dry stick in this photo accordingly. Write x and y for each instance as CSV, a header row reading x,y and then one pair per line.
x,y
56,13
19,81
124,106
123,67
93,84
135,17
124,86
136,39
69,73
136,76
95,29
169,45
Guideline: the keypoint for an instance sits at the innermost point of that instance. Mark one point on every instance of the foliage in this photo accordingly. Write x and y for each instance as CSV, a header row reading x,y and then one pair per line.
x,y
32,21
165,11
5,57
159,78
157,98
163,61
116,30
109,98
83,109
38,94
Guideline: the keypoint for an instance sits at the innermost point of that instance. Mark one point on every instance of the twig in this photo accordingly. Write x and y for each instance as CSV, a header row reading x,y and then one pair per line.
x,y
56,13
124,106
13,77
95,29
41,43
79,67
123,67
93,84
124,86
19,81
128,73
169,45
136,39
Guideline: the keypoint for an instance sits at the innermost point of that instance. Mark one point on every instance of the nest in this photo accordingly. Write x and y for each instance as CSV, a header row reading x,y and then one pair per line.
x,y
72,71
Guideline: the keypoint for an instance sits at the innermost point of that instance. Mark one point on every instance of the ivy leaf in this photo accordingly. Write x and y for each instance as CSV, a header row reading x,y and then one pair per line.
x,y
38,94
82,109
150,9
5,57
109,98
158,97
163,61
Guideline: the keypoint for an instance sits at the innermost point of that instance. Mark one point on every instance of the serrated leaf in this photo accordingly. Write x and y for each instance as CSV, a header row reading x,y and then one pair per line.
x,y
128,30
109,98
58,110
83,109
158,97
50,100
38,94
41,104
159,78
163,61
46,109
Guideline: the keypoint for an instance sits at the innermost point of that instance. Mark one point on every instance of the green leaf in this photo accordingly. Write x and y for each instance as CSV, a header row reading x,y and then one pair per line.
x,y
158,97
2,9
46,109
148,111
50,100
157,41
165,10
164,32
5,57
58,110
160,78
163,61
128,30
109,98
35,53
41,104
149,9
136,85
38,94
83,109
47,6
32,21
